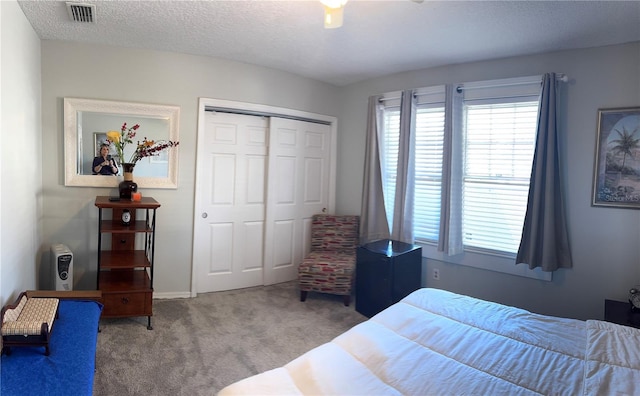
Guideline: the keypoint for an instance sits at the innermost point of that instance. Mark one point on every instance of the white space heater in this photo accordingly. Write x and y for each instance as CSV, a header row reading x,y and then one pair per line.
x,y
61,267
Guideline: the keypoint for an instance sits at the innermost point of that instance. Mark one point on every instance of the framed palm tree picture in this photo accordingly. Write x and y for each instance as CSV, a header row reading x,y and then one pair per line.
x,y
616,180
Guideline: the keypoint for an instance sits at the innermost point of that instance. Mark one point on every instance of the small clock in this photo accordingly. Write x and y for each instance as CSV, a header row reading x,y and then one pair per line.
x,y
126,217
634,298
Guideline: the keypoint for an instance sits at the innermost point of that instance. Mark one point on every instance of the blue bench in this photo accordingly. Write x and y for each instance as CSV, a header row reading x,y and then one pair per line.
x,y
70,367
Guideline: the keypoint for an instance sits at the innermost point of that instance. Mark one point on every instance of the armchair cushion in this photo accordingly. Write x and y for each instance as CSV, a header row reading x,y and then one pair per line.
x,y
327,272
334,233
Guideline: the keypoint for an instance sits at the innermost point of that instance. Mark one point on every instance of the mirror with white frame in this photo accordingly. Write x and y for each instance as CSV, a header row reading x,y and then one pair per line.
x,y
86,122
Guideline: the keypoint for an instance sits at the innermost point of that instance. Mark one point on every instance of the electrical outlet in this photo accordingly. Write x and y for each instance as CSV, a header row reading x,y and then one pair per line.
x,y
436,274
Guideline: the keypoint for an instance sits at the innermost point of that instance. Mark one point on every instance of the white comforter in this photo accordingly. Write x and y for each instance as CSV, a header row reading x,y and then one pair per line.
x,y
435,342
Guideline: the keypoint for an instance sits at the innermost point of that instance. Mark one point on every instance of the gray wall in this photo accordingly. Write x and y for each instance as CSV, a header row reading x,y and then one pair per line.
x,y
102,72
605,242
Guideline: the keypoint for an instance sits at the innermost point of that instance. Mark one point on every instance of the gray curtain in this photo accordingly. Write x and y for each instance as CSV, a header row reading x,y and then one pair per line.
x,y
545,241
373,217
402,229
450,235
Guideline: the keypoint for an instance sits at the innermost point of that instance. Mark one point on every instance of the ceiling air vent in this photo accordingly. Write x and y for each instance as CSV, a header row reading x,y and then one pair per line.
x,y
80,12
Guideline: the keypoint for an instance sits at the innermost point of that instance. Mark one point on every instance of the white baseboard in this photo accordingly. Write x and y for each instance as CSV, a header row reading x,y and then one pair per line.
x,y
168,295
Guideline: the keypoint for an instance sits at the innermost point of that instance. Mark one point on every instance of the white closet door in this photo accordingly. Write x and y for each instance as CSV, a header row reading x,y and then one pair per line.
x,y
299,186
230,202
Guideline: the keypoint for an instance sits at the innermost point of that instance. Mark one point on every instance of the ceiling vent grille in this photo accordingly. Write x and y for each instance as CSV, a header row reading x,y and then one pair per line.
x,y
80,12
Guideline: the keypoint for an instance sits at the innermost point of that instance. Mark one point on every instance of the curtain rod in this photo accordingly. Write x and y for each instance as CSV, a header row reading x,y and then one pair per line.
x,y
415,95
559,76
398,97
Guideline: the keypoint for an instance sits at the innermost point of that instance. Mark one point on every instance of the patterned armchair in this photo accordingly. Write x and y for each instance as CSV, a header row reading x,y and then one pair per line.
x,y
331,264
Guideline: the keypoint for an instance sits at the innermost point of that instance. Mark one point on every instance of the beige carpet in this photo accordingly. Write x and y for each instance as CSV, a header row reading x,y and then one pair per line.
x,y
199,345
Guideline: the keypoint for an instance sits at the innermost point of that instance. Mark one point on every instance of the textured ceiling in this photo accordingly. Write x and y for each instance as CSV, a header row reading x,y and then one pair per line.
x,y
378,37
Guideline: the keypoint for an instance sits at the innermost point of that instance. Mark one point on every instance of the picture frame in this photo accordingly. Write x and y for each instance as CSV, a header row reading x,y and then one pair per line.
x,y
616,181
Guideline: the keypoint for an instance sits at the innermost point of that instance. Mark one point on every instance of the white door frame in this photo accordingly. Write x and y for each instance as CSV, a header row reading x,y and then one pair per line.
x,y
254,109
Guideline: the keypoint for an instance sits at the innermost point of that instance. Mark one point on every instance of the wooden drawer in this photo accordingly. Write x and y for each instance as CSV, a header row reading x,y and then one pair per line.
x,y
127,304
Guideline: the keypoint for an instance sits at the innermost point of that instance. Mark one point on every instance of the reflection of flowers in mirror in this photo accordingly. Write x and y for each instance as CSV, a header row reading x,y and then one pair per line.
x,y
122,138
150,148
146,148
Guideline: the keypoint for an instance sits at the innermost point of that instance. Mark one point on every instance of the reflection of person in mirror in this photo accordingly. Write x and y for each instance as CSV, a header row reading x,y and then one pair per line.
x,y
104,164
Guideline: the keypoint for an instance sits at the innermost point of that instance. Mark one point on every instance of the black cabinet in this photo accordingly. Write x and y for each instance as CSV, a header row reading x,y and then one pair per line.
x,y
386,272
620,312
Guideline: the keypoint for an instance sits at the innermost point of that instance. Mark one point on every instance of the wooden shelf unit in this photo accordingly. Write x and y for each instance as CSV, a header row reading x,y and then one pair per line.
x,y
125,271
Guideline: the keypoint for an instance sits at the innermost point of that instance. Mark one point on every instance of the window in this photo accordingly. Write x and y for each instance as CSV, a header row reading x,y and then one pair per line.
x,y
499,141
429,137
389,155
429,141
496,142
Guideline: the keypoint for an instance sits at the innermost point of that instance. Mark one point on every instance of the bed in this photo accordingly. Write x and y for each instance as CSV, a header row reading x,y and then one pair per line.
x,y
435,342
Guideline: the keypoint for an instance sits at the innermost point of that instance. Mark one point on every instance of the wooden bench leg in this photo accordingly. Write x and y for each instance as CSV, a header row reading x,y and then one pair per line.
x,y
347,300
303,295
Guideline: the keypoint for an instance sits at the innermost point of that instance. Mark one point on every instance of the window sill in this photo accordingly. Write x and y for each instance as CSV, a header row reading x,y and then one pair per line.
x,y
490,262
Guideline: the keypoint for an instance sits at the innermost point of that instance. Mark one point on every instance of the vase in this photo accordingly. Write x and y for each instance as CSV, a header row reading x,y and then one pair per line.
x,y
127,186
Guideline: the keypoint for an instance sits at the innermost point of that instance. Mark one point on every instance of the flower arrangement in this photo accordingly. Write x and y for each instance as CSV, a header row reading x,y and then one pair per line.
x,y
146,148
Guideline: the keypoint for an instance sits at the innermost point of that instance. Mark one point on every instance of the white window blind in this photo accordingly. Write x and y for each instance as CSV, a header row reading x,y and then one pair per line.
x,y
429,140
389,153
499,142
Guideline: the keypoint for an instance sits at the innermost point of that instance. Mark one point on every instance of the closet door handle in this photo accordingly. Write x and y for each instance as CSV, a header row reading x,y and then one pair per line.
x,y
204,215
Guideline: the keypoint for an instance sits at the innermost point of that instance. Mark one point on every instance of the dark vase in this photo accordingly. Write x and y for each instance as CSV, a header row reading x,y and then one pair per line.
x,y
127,186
